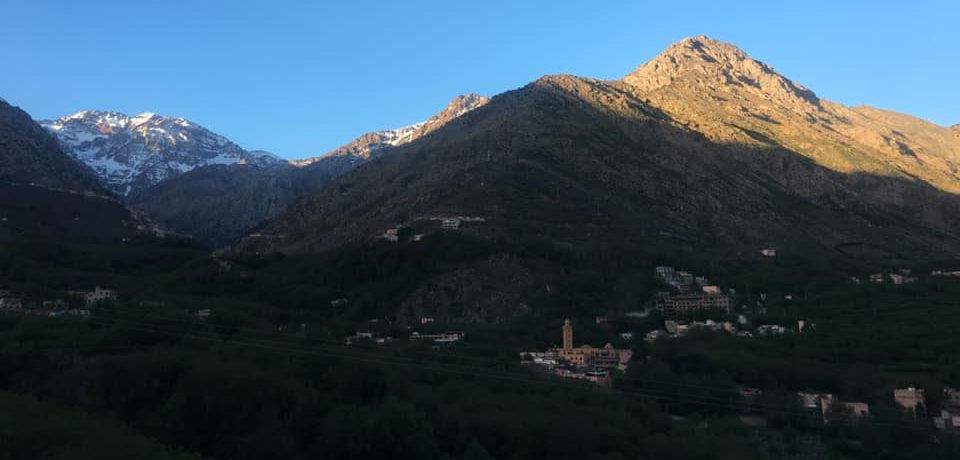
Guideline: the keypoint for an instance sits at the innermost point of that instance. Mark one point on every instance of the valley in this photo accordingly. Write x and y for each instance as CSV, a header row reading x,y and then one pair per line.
x,y
752,271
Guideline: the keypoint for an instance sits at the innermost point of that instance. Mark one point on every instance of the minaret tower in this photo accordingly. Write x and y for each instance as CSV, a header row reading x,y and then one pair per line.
x,y
567,335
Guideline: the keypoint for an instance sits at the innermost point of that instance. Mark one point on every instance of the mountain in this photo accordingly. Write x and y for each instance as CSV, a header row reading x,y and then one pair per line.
x,y
54,217
718,90
573,183
369,144
130,154
702,144
29,155
220,203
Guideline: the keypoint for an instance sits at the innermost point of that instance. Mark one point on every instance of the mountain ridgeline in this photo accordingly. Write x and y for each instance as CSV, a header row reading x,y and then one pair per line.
x,y
29,155
702,144
132,153
219,203
53,214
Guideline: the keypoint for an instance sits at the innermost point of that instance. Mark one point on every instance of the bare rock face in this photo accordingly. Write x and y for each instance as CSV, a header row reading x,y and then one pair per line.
x,y
712,64
716,89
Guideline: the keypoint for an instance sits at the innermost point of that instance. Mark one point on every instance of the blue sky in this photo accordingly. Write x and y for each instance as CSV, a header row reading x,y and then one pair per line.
x,y
298,78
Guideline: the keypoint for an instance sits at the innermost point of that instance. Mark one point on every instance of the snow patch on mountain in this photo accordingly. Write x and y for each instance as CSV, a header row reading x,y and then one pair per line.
x,y
130,153
361,148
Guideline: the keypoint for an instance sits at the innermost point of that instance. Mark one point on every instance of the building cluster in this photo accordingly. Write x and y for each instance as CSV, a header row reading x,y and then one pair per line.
x,y
911,400
691,293
452,222
584,362
770,329
680,281
740,328
446,337
822,404
98,294
369,337
446,223
443,337
8,302
393,234
903,276
57,307
949,417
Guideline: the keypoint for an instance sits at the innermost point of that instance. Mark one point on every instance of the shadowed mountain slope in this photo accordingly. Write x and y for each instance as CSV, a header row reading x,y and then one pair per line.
x,y
220,203
577,157
714,88
28,154
702,142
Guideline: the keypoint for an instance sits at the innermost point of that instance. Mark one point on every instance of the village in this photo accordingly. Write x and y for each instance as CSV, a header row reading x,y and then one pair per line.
x,y
688,304
405,232
77,303
691,295
584,362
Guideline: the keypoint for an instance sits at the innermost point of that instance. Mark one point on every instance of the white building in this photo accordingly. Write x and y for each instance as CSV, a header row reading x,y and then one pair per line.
x,y
450,224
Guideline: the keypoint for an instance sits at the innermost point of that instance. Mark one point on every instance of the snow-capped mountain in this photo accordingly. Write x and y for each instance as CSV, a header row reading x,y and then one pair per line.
x,y
131,153
218,204
361,148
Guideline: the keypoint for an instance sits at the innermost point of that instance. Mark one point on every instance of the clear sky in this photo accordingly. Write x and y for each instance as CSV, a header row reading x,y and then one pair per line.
x,y
298,78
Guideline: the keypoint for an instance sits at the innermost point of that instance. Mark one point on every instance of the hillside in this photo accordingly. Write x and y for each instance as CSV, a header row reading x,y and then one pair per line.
x,y
692,159
28,154
58,227
581,155
719,91
219,203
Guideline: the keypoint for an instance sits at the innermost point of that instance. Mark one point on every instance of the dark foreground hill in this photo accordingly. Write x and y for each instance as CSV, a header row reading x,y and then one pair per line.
x,y
28,154
58,228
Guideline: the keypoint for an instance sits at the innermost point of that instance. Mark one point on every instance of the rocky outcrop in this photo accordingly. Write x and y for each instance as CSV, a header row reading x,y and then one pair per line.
x,y
711,65
716,89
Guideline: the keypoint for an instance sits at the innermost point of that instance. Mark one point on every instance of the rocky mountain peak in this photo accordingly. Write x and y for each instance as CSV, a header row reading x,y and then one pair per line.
x,y
361,148
458,106
132,153
707,63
